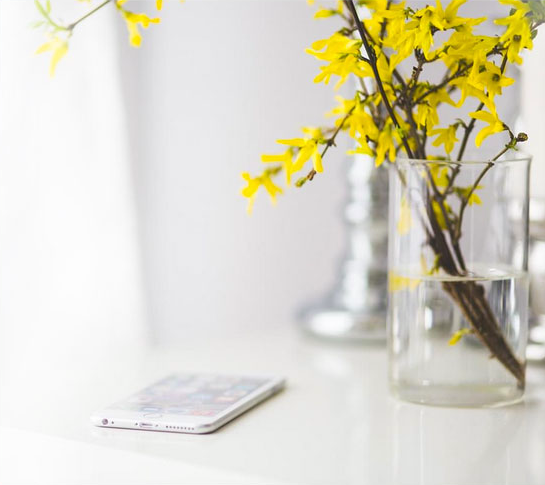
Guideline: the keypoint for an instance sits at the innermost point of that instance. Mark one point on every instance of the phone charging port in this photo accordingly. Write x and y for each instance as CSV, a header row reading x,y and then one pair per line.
x,y
146,425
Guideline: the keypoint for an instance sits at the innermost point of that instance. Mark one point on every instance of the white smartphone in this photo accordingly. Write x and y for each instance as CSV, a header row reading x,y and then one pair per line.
x,y
189,403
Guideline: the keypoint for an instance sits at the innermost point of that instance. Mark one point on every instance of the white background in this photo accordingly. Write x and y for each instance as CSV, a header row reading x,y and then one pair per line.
x,y
120,177
120,213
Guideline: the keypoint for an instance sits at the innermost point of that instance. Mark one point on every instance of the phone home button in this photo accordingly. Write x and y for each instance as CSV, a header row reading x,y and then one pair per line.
x,y
153,415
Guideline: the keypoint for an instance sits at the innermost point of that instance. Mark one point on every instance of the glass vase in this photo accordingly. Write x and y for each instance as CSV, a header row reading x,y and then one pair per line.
x,y
458,282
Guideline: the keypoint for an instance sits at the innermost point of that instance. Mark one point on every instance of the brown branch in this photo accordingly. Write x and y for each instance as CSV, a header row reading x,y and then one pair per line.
x,y
439,198
373,63
465,201
88,14
442,84
330,142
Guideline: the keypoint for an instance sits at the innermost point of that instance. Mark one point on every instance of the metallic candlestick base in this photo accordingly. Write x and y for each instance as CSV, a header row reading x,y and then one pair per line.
x,y
356,308
344,324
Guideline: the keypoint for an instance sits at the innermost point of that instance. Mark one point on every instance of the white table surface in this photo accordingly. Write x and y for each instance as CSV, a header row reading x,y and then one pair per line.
x,y
334,424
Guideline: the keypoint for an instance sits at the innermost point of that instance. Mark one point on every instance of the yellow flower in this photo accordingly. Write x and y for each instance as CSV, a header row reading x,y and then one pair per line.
x,y
426,113
253,185
430,18
324,13
308,148
438,211
159,4
393,15
518,34
491,78
363,148
403,44
495,125
424,265
133,20
58,47
450,17
447,137
456,336
468,88
474,198
286,159
264,180
405,221
462,44
397,282
425,19
469,194
385,145
329,12
342,55
359,122
439,173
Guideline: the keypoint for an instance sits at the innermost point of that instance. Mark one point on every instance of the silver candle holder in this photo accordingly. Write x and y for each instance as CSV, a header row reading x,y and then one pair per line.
x,y
355,308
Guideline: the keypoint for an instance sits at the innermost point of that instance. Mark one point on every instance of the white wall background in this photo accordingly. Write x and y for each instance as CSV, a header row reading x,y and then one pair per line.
x,y
70,277
120,177
209,91
120,211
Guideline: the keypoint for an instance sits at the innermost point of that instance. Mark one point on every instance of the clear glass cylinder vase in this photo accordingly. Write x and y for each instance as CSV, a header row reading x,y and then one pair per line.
x,y
458,283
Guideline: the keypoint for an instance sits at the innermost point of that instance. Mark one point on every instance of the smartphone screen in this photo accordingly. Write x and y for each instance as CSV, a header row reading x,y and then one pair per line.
x,y
191,395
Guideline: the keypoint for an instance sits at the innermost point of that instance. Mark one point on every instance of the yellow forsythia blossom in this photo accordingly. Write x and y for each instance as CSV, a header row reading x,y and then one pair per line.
x,y
397,282
495,125
405,220
469,194
58,47
439,173
447,137
133,21
253,183
327,12
343,55
286,159
308,149
456,337
396,106
491,78
518,35
359,122
426,113
385,145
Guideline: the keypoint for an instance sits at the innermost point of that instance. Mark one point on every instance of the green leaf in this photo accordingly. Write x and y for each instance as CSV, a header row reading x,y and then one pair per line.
x,y
40,8
537,8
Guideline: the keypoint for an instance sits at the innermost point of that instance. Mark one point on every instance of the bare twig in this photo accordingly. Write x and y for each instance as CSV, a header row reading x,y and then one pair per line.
x,y
330,142
88,14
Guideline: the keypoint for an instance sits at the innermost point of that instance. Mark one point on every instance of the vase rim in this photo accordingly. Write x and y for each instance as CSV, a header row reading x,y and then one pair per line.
x,y
519,157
